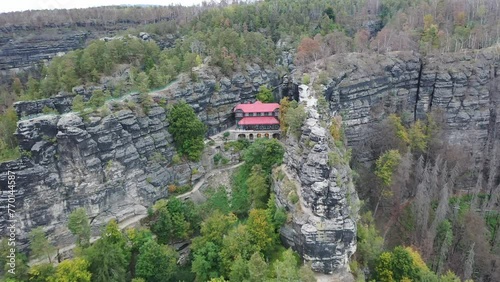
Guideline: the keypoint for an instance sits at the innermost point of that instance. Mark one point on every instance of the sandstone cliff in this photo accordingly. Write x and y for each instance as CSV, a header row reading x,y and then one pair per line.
x,y
69,156
115,163
323,224
365,88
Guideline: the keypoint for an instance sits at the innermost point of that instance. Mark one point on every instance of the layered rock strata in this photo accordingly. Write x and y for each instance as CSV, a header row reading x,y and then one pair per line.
x,y
365,88
117,162
315,185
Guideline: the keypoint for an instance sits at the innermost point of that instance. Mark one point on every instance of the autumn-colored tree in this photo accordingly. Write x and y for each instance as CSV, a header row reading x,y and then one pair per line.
x,y
261,230
308,50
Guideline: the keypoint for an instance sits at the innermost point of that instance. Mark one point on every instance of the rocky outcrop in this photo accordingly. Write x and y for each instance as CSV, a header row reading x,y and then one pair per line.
x,y
19,53
115,166
118,161
23,47
365,88
315,185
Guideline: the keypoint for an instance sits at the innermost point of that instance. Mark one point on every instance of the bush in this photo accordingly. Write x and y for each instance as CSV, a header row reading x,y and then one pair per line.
x,y
46,110
176,159
306,79
293,197
217,158
172,188
158,158
78,104
336,129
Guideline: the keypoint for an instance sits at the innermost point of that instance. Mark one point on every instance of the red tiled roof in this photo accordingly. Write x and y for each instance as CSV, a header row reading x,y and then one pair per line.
x,y
258,120
257,107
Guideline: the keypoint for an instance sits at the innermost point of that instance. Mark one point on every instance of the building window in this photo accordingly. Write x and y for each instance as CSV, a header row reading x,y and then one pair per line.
x,y
266,113
250,114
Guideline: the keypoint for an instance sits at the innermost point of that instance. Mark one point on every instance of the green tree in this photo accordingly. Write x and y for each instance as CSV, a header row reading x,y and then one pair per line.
x,y
258,187
213,229
306,274
41,272
294,119
418,137
141,82
261,230
138,237
402,264
8,142
33,89
370,243
79,226
40,245
206,262
274,214
98,98
264,152
108,256
386,165
78,104
239,270
21,268
72,270
286,269
265,95
187,130
175,220
257,268
237,243
156,263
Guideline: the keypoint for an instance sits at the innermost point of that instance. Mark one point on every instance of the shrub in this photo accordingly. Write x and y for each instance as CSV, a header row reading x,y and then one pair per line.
x,y
157,157
46,110
323,77
306,79
334,158
176,159
217,158
78,104
293,197
226,135
172,188
336,129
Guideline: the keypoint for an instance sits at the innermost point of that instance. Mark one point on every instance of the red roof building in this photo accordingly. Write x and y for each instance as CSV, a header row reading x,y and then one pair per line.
x,y
257,116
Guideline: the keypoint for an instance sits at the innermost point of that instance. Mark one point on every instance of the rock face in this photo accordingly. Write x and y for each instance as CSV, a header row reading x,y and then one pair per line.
x,y
22,47
115,163
114,166
365,88
315,186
